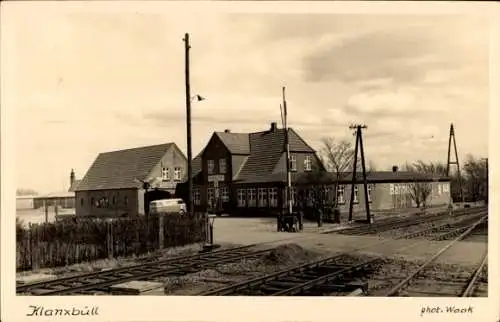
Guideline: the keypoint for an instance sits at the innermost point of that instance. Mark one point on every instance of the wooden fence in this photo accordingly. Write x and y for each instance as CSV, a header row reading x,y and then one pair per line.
x,y
75,240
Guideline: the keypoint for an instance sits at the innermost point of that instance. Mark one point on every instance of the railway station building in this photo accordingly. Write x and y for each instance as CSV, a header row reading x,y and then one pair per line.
x,y
245,174
122,183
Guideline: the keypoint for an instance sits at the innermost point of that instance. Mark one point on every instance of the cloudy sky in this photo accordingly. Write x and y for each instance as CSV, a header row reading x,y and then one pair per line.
x,y
81,83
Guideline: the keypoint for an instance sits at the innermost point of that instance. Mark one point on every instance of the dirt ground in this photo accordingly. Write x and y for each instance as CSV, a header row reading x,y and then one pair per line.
x,y
252,230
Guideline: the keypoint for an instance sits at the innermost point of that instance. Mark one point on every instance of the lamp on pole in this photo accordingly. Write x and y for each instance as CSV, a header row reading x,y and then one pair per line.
x,y
189,99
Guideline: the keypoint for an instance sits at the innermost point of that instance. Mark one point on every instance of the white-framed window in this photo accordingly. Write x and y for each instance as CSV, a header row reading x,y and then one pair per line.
x,y
262,197
325,193
210,166
440,189
293,163
391,189
340,194
252,197
446,187
241,198
210,196
177,173
370,188
224,192
355,200
308,163
222,166
273,197
165,174
196,196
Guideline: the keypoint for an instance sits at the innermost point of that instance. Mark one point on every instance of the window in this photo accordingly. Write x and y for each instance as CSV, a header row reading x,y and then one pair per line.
x,y
391,189
355,200
114,200
340,194
222,166
308,163
196,196
210,166
224,194
273,197
293,163
294,195
262,197
370,188
252,197
92,202
210,196
81,202
177,174
165,174
126,200
440,189
241,198
446,188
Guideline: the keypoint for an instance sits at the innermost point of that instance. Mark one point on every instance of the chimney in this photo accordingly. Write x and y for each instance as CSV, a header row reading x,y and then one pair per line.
x,y
71,177
274,126
394,168
227,131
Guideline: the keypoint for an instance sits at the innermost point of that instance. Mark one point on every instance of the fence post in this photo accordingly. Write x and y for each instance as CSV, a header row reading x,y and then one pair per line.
x,y
161,235
36,258
30,245
109,239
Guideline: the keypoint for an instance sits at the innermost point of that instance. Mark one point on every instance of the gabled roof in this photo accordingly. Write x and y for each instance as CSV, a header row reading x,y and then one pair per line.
x,y
236,143
74,185
120,169
266,150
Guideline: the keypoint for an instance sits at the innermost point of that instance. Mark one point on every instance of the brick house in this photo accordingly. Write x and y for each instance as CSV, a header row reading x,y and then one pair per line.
x,y
246,172
114,184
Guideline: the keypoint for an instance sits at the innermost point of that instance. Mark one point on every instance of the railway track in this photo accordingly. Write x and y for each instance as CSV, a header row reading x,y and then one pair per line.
x,y
102,281
444,231
398,223
457,287
331,276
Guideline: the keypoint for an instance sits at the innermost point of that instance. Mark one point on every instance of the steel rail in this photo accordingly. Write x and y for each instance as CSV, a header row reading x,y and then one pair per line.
x,y
26,287
472,283
423,231
176,263
389,224
248,284
396,289
317,263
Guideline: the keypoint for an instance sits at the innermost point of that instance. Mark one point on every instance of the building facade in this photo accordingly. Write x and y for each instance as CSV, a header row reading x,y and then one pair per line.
x,y
245,174
122,183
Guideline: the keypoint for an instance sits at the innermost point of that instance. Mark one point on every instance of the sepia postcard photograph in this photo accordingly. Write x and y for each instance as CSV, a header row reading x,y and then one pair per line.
x,y
170,161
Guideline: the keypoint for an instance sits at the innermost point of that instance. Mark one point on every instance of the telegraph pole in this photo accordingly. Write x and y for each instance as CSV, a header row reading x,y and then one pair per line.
x,y
359,144
456,162
188,126
287,145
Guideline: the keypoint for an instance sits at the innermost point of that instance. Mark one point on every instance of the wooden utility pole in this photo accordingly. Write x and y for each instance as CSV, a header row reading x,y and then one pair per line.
x,y
287,149
449,162
359,144
190,206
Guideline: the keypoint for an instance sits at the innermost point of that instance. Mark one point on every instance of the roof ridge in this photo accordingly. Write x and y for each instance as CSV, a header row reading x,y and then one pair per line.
x,y
139,147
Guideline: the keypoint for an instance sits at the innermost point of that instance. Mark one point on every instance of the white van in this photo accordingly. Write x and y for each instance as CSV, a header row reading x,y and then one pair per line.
x,y
176,205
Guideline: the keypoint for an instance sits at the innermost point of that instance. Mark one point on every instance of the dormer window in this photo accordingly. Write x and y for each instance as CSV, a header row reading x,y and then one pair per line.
x,y
308,163
210,166
165,174
293,163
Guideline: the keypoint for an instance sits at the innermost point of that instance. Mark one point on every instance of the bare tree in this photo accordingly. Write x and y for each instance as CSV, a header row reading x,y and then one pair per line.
x,y
476,178
338,158
421,190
